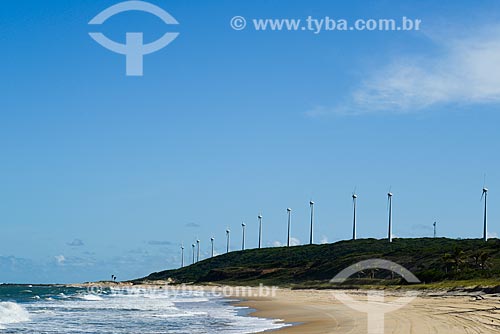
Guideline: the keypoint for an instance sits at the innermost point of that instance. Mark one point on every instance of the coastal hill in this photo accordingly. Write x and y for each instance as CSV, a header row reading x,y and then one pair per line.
x,y
430,259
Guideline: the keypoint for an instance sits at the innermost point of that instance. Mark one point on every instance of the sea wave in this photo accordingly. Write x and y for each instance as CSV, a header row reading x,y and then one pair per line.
x,y
11,313
89,297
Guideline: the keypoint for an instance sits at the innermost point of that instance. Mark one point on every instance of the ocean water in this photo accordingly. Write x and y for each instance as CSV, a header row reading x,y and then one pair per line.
x,y
69,310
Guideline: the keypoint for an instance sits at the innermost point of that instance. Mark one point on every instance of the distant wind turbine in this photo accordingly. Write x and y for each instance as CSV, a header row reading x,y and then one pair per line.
x,y
389,199
192,251
243,225
289,226
198,253
435,224
212,241
182,255
311,204
228,233
260,230
354,200
485,223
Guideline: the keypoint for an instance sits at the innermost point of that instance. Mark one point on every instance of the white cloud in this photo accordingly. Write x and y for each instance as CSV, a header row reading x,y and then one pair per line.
x,y
60,259
493,235
466,71
76,243
293,242
159,243
277,244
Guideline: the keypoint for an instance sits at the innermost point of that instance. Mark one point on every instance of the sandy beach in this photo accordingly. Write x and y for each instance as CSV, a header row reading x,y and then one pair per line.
x,y
321,311
317,311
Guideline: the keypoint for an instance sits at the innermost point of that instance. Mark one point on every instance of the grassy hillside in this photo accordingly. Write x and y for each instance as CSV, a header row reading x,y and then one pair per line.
x,y
431,260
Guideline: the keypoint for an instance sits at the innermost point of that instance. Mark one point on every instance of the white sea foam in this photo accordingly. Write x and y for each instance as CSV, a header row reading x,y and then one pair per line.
x,y
90,297
11,313
204,312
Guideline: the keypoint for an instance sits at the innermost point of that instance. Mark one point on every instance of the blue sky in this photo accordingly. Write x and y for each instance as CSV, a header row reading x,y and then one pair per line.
x,y
107,174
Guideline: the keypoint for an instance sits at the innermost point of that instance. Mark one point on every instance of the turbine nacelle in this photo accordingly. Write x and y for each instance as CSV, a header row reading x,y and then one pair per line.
x,y
389,194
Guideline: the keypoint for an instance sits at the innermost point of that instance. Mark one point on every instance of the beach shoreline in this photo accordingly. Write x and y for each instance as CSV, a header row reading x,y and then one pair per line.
x,y
319,312
315,311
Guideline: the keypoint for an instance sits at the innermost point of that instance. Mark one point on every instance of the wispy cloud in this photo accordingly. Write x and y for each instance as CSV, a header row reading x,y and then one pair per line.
x,y
159,243
192,225
493,235
76,243
60,259
293,242
465,71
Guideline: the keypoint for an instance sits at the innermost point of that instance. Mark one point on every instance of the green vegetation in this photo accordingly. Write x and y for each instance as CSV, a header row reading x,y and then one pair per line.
x,y
436,262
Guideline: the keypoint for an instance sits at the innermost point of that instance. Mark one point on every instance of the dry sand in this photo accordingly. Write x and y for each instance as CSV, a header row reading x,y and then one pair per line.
x,y
317,311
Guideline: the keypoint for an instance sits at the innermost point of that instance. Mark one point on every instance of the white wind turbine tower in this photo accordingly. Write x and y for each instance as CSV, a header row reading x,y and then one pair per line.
x,y
389,199
354,200
182,255
198,253
311,204
228,233
212,241
243,225
260,230
289,226
485,223
192,250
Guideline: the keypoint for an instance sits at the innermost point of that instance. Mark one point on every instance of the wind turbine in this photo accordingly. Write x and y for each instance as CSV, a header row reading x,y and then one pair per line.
x,y
485,226
354,200
389,199
435,224
311,204
260,230
243,225
182,255
212,241
198,253
228,233
192,251
289,226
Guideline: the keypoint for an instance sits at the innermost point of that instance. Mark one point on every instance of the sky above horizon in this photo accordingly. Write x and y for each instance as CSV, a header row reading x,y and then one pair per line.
x,y
103,173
